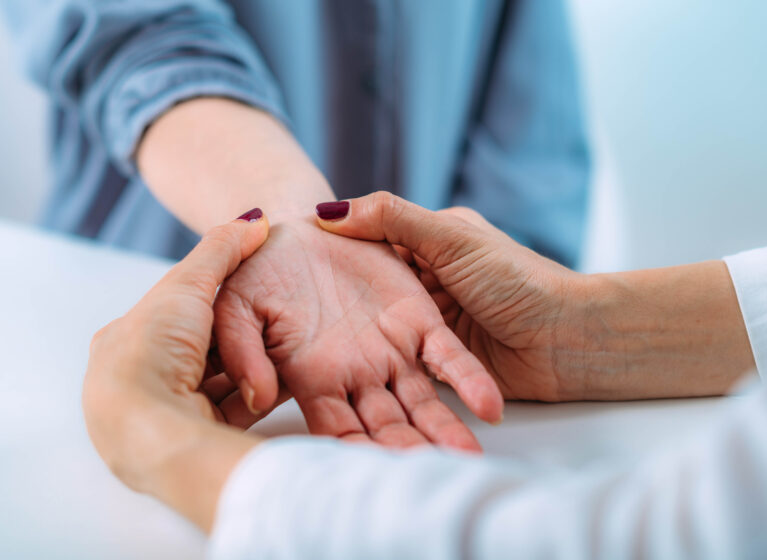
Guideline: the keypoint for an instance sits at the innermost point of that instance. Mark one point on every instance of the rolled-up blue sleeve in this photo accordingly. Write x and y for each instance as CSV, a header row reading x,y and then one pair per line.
x,y
124,63
527,166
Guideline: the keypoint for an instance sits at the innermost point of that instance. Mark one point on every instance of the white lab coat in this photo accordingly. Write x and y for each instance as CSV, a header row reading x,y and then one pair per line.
x,y
318,498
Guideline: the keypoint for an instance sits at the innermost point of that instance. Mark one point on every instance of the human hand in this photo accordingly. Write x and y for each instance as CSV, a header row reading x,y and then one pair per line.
x,y
346,325
511,307
550,334
148,408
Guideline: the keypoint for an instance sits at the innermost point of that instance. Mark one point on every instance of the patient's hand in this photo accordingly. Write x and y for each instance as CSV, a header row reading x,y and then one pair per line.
x,y
507,304
346,325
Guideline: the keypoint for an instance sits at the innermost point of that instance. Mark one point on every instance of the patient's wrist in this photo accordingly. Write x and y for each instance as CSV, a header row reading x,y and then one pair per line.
x,y
211,159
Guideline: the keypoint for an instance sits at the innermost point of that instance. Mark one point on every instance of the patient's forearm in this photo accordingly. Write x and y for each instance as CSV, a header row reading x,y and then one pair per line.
x,y
666,332
209,159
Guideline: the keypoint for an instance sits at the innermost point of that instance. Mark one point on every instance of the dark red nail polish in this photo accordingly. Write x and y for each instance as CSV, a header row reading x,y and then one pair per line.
x,y
333,210
252,215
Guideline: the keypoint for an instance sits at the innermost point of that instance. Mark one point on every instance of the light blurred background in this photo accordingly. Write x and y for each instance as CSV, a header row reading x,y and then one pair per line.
x,y
676,94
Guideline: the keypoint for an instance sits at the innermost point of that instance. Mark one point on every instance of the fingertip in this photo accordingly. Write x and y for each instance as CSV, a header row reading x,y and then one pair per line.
x,y
260,394
490,405
482,396
260,231
249,396
462,440
251,216
333,216
257,231
333,211
450,362
469,447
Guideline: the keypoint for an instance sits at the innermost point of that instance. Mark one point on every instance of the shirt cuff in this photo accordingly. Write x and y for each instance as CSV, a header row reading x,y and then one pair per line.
x,y
320,498
250,496
748,271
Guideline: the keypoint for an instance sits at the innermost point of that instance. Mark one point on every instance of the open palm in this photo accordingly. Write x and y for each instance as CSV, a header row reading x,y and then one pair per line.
x,y
348,328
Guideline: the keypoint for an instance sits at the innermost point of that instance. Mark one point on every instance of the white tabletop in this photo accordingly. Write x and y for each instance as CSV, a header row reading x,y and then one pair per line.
x,y
57,500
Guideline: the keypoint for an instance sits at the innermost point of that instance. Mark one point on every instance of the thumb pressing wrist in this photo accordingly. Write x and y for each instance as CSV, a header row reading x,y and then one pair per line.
x,y
383,216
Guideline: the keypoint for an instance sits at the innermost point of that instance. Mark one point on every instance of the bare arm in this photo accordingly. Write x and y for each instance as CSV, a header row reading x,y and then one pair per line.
x,y
330,315
664,332
209,159
551,334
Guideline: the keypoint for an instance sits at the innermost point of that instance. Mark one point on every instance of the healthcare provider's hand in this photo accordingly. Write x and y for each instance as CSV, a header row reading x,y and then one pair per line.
x,y
550,334
150,407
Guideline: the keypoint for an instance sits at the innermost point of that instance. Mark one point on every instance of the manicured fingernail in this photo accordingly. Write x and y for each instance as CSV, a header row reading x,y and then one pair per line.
x,y
498,422
333,210
252,215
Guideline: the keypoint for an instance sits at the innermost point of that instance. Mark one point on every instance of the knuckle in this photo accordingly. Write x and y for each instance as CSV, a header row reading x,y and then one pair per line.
x,y
103,335
466,213
382,197
391,206
383,202
221,237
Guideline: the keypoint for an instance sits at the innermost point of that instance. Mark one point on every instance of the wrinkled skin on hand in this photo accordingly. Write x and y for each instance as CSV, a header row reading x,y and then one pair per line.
x,y
347,327
512,315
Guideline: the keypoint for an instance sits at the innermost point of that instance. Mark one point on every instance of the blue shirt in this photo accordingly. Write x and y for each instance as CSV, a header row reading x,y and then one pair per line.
x,y
447,102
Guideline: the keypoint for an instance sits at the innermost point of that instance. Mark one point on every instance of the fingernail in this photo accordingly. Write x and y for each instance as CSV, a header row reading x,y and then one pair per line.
x,y
333,210
248,394
498,422
252,215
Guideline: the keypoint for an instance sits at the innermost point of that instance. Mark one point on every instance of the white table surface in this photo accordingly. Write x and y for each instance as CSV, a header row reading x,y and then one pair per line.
x,y
57,500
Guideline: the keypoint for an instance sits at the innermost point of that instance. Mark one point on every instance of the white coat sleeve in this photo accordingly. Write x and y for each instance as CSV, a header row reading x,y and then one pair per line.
x,y
748,271
317,498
